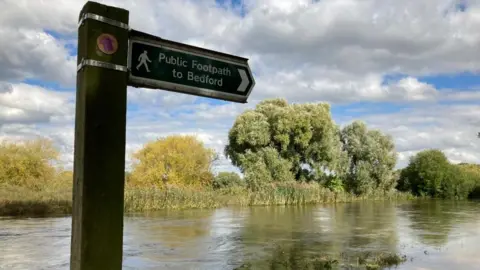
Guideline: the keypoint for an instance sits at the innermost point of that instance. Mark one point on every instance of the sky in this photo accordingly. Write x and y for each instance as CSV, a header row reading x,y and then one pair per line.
x,y
409,68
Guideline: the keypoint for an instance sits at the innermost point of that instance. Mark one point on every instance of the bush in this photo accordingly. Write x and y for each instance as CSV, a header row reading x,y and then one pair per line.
x,y
335,184
227,180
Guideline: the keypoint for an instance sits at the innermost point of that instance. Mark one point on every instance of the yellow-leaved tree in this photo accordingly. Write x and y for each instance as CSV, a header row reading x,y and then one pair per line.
x,y
27,163
174,160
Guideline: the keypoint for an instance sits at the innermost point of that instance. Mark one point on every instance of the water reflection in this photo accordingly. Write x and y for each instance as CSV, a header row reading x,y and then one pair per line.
x,y
291,235
433,221
437,234
170,237
366,226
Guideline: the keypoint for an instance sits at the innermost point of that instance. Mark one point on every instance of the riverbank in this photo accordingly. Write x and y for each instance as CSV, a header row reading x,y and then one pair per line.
x,y
16,201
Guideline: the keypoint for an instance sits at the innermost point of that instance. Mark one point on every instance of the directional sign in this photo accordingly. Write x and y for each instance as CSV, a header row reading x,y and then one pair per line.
x,y
163,64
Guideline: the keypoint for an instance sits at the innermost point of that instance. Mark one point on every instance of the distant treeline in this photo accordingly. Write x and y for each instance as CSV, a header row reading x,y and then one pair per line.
x,y
281,142
429,173
275,144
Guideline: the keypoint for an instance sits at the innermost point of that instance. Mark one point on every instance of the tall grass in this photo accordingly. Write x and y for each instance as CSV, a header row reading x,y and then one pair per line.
x,y
148,199
20,201
281,194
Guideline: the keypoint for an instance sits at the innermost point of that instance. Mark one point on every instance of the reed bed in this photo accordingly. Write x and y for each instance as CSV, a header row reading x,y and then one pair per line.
x,y
15,201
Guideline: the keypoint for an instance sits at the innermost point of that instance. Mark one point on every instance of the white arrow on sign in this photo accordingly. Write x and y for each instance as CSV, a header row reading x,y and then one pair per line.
x,y
245,81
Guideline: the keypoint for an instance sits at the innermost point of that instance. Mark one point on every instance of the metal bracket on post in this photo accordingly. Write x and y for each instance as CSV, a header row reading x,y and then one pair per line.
x,y
100,64
103,19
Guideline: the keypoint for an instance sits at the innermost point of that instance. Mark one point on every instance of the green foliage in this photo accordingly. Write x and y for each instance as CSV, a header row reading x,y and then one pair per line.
x,y
472,171
429,173
174,160
457,183
257,175
371,159
140,199
281,142
227,180
335,184
274,142
20,201
425,173
265,166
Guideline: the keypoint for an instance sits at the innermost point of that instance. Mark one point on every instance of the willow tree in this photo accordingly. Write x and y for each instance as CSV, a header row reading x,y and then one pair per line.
x,y
175,160
278,141
372,158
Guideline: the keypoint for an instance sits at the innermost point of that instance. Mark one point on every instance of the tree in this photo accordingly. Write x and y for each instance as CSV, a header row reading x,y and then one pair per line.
x,y
425,172
371,158
27,163
176,160
429,173
278,141
472,171
227,179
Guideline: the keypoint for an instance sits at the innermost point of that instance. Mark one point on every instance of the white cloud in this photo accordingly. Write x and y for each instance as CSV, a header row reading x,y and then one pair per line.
x,y
452,128
28,112
331,50
58,15
34,54
24,103
157,98
334,87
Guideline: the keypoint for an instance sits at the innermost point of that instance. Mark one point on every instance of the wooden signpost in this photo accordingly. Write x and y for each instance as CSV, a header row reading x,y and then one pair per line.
x,y
111,56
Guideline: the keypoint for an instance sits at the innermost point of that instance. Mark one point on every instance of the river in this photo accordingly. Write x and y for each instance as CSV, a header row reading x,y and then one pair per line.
x,y
440,235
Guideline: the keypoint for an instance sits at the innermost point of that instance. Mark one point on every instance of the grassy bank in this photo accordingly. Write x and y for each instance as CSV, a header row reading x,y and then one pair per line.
x,y
21,201
15,201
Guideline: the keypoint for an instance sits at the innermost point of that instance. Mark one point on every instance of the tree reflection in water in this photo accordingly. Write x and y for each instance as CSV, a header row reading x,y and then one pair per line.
x,y
311,237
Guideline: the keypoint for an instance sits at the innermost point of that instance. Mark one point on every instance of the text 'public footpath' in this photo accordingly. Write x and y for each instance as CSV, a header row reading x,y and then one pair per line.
x,y
214,78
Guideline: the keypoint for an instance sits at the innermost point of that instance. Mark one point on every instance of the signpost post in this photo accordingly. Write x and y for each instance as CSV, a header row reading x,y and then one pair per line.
x,y
110,57
100,120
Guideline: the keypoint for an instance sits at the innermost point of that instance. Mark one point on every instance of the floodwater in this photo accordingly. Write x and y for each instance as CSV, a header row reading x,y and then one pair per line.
x,y
440,235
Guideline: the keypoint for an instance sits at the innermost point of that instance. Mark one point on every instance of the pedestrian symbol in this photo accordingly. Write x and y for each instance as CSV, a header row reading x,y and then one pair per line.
x,y
143,59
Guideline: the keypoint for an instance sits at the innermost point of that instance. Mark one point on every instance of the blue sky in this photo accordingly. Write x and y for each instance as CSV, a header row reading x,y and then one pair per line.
x,y
407,67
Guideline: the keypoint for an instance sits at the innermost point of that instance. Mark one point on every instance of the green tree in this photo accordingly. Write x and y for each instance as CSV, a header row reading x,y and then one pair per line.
x,y
227,179
472,171
429,173
425,173
371,159
175,160
278,141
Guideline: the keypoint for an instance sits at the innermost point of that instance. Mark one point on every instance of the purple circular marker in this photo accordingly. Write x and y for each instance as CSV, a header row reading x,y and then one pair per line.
x,y
107,43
